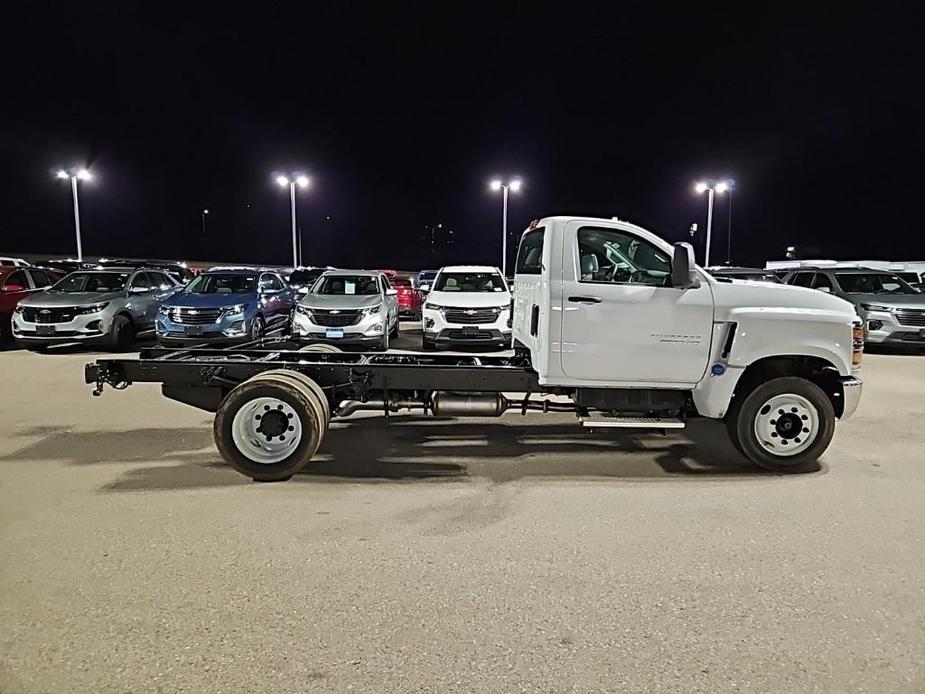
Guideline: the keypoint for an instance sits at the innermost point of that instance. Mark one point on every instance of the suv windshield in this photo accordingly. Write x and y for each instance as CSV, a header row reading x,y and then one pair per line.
x,y
872,283
347,285
469,282
219,283
92,282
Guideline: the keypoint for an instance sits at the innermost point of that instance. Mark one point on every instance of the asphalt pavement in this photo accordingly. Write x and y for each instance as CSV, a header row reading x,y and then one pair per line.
x,y
508,555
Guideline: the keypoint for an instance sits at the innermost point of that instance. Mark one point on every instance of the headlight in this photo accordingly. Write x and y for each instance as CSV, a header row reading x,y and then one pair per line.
x,y
164,310
96,308
372,310
304,310
433,307
232,310
875,307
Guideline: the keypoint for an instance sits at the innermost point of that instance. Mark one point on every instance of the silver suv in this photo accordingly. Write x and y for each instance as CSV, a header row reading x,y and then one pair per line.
x,y
892,310
107,307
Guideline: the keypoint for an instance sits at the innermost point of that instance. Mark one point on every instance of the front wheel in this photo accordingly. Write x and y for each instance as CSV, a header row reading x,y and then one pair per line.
x,y
119,338
258,329
784,424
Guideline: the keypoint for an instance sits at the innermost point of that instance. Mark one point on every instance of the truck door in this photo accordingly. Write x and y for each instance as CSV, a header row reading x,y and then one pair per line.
x,y
622,322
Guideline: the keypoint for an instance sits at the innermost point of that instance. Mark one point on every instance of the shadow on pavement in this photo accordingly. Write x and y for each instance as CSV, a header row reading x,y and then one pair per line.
x,y
410,448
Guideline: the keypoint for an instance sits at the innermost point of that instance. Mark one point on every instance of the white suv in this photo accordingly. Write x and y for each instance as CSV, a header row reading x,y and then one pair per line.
x,y
468,305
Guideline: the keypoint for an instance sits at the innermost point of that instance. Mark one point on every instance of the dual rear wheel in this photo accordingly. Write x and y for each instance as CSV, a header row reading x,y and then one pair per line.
x,y
270,426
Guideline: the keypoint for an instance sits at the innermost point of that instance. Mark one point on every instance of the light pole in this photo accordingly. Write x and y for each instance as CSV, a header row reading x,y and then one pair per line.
x,y
75,175
292,181
710,187
205,214
513,186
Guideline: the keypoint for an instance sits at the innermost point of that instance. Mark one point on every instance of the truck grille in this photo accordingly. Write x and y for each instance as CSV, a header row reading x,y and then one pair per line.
x,y
64,314
908,316
341,319
471,316
194,316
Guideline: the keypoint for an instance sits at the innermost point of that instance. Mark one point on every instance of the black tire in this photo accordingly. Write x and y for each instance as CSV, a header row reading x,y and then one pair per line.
x,y
383,345
258,329
38,349
395,330
320,347
748,407
120,335
428,345
303,403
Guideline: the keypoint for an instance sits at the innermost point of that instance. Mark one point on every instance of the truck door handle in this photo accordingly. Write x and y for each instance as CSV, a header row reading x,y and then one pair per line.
x,y
585,299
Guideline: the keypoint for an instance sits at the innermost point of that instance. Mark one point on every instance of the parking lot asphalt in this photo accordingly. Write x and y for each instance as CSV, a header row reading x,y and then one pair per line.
x,y
518,554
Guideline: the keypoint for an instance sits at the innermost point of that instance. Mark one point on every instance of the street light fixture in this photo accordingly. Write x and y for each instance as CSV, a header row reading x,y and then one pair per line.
x,y
302,181
711,187
74,175
513,185
205,214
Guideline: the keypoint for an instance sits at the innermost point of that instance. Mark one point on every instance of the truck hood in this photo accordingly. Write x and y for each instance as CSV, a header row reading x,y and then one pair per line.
x,y
913,301
753,294
53,299
332,302
190,300
470,299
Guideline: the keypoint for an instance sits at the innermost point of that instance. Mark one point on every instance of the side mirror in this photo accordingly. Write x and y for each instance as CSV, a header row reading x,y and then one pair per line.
x,y
391,292
303,290
683,273
14,288
827,290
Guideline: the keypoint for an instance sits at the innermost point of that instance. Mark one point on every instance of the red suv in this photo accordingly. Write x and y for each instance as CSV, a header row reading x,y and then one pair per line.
x,y
17,283
409,298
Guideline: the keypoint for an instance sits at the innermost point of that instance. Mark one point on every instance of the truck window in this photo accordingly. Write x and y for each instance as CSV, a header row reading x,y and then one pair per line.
x,y
613,255
821,281
530,254
802,279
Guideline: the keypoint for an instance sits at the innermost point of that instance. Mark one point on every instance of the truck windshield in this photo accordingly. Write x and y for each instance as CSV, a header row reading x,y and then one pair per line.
x,y
92,282
219,283
873,283
469,282
347,285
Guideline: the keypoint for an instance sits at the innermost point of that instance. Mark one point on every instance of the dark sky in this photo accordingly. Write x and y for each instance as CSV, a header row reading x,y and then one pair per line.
x,y
402,113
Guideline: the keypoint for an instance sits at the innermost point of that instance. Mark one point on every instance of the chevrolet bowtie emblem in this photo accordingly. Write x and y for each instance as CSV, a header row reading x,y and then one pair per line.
x,y
335,311
469,311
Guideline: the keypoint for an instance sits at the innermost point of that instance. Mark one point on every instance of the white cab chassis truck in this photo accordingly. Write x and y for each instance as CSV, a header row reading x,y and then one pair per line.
x,y
610,323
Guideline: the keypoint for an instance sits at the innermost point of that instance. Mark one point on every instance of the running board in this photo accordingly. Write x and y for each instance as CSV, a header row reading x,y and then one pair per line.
x,y
595,421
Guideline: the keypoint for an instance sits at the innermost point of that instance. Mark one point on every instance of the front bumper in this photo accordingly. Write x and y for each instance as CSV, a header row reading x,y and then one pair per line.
x,y
89,327
851,393
228,329
369,330
882,327
441,331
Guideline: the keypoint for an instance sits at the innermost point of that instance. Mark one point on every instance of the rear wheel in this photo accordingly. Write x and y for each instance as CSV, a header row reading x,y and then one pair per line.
x,y
119,338
269,427
784,424
258,329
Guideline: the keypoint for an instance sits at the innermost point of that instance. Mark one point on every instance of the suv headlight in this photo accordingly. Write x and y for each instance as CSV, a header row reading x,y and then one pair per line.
x,y
233,310
372,310
433,307
95,308
304,310
875,307
164,310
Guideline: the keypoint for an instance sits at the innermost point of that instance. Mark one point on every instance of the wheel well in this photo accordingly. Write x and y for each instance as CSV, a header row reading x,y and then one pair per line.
x,y
128,315
820,371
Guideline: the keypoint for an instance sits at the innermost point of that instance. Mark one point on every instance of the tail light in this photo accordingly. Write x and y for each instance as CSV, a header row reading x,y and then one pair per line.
x,y
857,345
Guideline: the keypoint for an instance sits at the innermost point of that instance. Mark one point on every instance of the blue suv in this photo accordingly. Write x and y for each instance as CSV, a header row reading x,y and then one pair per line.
x,y
227,305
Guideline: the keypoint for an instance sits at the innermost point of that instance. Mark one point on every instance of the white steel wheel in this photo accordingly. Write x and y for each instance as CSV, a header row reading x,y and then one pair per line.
x,y
269,429
320,347
787,424
311,389
266,430
783,424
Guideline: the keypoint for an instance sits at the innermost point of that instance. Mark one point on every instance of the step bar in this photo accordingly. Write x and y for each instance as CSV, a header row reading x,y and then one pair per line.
x,y
599,421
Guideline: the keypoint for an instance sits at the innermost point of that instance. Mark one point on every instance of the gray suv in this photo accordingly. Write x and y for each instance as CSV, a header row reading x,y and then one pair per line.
x,y
106,307
892,310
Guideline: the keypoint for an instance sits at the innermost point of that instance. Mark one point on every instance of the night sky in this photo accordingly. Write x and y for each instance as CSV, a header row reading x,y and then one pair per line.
x,y
402,114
